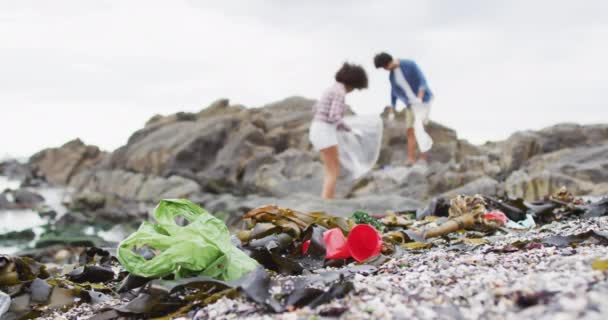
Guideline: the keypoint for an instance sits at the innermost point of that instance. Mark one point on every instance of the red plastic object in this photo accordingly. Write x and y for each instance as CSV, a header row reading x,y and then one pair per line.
x,y
496,216
335,244
364,242
305,246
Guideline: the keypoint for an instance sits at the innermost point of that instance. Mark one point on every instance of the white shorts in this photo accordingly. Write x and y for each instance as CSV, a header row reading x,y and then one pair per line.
x,y
323,135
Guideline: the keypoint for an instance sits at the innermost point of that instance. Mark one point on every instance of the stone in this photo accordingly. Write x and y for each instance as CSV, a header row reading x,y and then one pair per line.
x,y
14,169
27,199
535,186
59,165
483,185
134,186
582,170
406,181
88,201
521,146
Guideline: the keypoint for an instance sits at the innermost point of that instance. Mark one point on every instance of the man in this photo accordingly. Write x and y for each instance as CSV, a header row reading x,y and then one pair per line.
x,y
408,85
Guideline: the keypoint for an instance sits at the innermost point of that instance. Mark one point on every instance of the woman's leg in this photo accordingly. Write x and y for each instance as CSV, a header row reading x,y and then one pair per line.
x,y
332,170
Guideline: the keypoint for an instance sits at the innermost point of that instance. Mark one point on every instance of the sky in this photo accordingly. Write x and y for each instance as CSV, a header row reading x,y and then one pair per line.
x,y
98,69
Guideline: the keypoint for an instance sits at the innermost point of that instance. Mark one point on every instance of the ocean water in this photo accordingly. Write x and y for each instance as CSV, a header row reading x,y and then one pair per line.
x,y
19,220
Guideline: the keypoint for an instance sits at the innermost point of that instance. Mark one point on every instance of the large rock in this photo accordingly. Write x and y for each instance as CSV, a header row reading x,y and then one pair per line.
x,y
484,185
535,186
215,147
291,171
582,170
14,169
20,199
134,186
521,146
59,165
446,145
408,182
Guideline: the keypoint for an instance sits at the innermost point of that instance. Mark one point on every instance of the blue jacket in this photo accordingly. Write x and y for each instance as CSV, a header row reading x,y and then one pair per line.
x,y
415,78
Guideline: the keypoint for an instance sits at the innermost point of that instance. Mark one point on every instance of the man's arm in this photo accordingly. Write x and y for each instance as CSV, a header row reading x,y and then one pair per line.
x,y
393,99
423,85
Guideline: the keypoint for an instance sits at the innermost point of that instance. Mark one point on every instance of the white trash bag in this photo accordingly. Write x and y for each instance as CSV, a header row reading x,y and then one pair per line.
x,y
359,148
421,115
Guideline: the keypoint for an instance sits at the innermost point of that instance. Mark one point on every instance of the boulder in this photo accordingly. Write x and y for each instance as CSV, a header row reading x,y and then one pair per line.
x,y
14,169
583,170
87,201
409,182
535,186
59,165
521,146
291,171
20,199
446,145
27,199
134,186
484,185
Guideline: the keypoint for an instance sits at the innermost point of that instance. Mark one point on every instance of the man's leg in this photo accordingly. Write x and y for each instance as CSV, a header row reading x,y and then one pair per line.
x,y
332,170
411,136
411,146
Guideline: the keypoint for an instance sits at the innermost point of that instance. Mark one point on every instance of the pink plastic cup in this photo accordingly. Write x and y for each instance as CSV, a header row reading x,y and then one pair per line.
x,y
335,244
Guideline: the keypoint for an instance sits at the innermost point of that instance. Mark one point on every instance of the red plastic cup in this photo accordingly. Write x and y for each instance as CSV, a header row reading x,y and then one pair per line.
x,y
335,244
497,216
364,242
305,246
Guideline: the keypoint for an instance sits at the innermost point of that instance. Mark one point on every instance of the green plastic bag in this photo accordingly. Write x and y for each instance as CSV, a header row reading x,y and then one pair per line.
x,y
202,248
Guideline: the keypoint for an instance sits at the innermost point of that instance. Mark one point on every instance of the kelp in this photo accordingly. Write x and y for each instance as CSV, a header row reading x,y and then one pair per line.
x,y
360,217
14,270
275,238
600,265
275,219
591,236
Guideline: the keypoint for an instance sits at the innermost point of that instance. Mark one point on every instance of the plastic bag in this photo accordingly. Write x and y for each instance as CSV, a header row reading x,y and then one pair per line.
x,y
421,116
527,223
5,303
359,148
201,248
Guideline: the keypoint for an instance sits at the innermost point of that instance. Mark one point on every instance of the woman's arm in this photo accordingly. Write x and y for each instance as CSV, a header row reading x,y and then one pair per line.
x,y
336,111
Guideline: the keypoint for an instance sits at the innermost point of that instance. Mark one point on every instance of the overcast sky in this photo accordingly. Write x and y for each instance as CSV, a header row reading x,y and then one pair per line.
x,y
99,69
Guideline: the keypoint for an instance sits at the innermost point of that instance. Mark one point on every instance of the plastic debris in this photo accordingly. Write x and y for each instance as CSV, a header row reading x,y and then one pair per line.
x,y
364,242
201,248
496,216
5,303
360,147
526,224
335,244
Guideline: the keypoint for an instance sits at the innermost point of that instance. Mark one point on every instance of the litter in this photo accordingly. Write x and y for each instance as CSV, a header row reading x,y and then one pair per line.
x,y
201,248
335,244
359,148
525,224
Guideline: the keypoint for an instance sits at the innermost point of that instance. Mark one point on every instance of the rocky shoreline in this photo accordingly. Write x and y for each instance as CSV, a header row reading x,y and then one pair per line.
x,y
230,159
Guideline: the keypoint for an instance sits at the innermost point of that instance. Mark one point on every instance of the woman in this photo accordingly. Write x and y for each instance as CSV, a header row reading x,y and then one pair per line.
x,y
328,119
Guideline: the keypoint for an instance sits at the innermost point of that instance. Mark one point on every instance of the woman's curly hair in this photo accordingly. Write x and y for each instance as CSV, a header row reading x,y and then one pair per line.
x,y
352,75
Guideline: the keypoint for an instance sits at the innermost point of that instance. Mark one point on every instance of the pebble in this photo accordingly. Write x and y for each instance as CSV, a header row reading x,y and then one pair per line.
x,y
448,284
